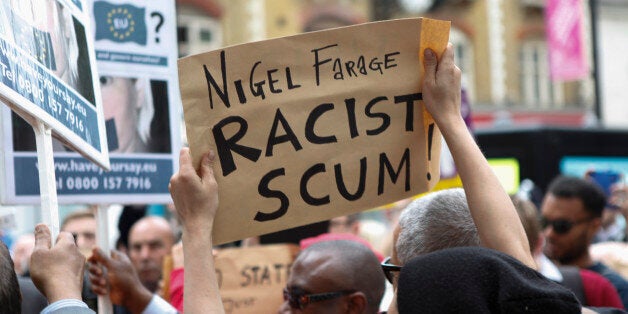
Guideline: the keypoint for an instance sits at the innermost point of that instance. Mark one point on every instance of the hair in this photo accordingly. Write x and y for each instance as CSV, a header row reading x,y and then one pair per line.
x,y
434,222
589,193
361,270
529,216
146,111
64,27
87,213
10,296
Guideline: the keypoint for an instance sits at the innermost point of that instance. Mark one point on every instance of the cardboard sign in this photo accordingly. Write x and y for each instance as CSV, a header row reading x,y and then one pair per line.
x,y
251,280
313,126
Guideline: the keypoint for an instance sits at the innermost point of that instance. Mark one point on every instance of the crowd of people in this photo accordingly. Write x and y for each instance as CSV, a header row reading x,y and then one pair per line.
x,y
474,249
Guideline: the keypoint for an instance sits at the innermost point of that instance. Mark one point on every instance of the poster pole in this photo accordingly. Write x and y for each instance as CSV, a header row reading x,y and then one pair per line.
x,y
47,181
102,237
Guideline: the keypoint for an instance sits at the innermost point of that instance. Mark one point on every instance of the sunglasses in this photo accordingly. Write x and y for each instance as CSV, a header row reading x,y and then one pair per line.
x,y
299,299
391,271
561,226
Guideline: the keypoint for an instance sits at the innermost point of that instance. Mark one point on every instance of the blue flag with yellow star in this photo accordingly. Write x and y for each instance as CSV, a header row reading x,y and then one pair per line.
x,y
120,22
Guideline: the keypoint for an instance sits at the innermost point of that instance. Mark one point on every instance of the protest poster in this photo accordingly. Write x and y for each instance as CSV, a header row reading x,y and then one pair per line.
x,y
135,51
47,70
313,126
251,279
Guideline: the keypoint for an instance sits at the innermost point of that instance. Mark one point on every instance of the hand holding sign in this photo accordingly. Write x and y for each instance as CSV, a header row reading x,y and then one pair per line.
x,y
195,195
491,208
313,126
195,198
441,88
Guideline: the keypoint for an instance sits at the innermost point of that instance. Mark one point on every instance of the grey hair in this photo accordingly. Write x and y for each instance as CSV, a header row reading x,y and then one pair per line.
x,y
146,110
434,222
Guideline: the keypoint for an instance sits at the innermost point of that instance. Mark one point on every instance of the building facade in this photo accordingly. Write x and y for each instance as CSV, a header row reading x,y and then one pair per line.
x,y
501,47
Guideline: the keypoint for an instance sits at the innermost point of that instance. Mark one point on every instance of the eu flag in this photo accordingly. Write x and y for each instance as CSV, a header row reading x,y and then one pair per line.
x,y
120,22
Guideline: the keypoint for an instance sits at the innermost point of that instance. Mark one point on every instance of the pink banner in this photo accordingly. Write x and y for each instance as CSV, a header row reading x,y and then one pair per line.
x,y
565,40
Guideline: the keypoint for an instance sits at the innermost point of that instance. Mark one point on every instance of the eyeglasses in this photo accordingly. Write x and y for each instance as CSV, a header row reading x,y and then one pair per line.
x,y
299,299
561,226
390,270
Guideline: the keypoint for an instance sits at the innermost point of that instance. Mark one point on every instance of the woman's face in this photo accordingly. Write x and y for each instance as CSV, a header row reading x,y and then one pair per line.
x,y
119,95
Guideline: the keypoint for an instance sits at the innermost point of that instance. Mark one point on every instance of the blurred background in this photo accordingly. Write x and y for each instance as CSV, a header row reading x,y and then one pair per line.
x,y
502,48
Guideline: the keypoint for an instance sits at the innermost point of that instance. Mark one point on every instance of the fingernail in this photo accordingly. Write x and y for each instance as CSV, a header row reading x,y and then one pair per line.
x,y
428,53
211,155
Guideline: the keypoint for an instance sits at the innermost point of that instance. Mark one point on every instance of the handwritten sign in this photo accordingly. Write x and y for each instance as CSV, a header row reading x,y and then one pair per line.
x,y
313,126
251,279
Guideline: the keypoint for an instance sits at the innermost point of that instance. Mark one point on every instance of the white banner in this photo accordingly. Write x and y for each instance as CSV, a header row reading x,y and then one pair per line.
x,y
135,51
48,72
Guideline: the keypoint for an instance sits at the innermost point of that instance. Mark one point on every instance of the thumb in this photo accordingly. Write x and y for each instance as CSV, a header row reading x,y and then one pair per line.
x,y
430,62
98,256
119,257
42,237
206,171
116,255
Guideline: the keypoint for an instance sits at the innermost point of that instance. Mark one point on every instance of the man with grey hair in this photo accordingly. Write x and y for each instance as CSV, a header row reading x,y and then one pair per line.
x,y
436,221
489,206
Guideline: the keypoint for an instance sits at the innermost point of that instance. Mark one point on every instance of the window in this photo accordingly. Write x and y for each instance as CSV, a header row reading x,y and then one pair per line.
x,y
537,90
464,60
205,35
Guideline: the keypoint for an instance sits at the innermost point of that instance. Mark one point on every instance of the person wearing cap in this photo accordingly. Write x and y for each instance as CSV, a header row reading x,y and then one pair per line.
x,y
478,280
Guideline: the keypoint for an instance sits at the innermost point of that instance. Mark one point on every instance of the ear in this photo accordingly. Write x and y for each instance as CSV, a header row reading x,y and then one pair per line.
x,y
594,227
357,302
355,228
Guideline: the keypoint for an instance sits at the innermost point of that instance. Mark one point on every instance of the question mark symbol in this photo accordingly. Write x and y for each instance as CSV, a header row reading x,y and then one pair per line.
x,y
159,24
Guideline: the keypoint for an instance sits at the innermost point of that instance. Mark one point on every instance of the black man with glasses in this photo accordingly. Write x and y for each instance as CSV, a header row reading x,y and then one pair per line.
x,y
338,276
570,217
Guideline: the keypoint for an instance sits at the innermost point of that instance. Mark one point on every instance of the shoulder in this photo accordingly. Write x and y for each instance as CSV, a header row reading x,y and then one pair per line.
x,y
32,300
614,277
590,277
599,290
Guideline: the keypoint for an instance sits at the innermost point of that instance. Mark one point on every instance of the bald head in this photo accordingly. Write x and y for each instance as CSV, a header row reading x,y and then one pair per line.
x,y
150,239
341,265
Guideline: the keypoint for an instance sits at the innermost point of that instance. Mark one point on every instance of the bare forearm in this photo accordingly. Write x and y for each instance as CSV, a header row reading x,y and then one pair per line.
x,y
494,214
201,291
